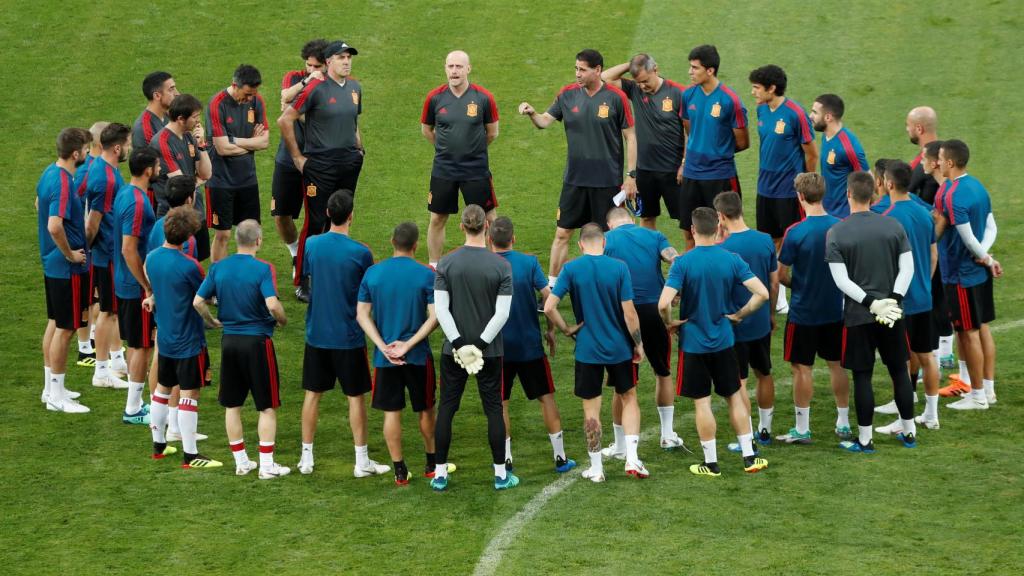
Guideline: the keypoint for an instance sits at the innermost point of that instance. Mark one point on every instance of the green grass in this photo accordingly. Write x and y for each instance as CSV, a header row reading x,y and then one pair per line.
x,y
81,496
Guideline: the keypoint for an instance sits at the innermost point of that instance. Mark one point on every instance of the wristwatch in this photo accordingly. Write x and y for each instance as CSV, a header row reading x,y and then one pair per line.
x,y
631,174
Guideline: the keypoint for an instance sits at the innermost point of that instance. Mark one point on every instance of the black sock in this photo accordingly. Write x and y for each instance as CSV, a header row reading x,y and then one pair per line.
x,y
864,397
400,468
431,459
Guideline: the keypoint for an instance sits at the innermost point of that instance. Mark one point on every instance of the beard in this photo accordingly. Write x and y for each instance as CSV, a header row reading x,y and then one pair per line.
x,y
79,163
819,126
914,139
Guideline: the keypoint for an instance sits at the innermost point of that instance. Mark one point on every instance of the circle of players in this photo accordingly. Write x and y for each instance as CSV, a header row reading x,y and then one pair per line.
x,y
890,263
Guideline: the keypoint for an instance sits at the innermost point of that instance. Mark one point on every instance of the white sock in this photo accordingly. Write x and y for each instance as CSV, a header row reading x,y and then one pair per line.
x,y
620,438
188,422
864,435
746,444
134,402
117,354
842,417
85,347
238,451
266,454
508,448
764,418
158,416
595,462
102,368
782,297
433,265
803,419
931,407
293,248
172,420
965,376
632,444
710,451
557,447
979,395
47,376
989,387
946,345
667,414
499,471
57,392
362,456
552,280
909,426
441,470
307,452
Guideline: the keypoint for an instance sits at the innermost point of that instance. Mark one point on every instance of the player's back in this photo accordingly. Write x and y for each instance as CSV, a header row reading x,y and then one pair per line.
x,y
242,283
335,264
521,333
399,289
814,298
758,250
598,286
705,277
640,248
175,279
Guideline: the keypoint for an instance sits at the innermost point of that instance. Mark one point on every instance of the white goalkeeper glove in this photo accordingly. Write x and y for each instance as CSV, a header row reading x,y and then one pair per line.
x,y
470,358
886,311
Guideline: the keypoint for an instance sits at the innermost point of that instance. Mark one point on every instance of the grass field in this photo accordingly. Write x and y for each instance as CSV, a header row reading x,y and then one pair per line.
x,y
81,496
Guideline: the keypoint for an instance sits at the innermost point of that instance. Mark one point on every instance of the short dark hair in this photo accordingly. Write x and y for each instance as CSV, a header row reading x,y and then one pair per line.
x,y
770,75
180,223
473,219
898,172
592,57
957,151
861,186
405,236
811,186
153,83
501,232
71,140
114,134
881,164
831,104
616,212
339,206
314,48
705,221
179,189
931,149
707,55
184,105
729,204
591,232
246,75
142,159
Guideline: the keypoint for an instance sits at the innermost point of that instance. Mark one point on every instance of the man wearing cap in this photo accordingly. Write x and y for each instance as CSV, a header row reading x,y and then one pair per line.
x,y
332,155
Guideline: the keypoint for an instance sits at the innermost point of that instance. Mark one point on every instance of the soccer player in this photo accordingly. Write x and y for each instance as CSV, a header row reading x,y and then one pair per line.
x,y
814,325
87,332
940,313
716,128
968,268
787,149
332,155
335,343
183,150
841,152
160,90
917,306
872,264
472,299
524,349
133,221
249,309
608,341
237,120
399,317
101,228
643,250
182,359
288,192
660,138
706,278
922,123
461,120
753,336
62,251
597,118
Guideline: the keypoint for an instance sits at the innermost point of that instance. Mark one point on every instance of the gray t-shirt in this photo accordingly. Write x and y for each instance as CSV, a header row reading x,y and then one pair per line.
x,y
474,278
870,245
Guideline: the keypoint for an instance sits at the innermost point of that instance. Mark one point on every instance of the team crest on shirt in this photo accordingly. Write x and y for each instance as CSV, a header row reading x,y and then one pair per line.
x,y
252,116
471,109
311,190
355,98
230,120
666,105
332,100
780,126
602,110
716,110
831,157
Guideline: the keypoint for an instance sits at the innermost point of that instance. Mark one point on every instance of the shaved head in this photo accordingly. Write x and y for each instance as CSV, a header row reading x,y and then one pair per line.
x,y
457,69
922,121
457,56
96,130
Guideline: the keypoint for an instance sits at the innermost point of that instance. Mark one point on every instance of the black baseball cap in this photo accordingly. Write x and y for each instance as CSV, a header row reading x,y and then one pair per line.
x,y
337,47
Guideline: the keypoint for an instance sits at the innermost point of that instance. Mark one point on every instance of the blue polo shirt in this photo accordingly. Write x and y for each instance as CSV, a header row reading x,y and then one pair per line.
x,y
101,186
521,333
335,264
56,196
757,249
175,279
711,145
814,299
133,216
840,155
242,283
920,228
962,201
399,307
640,248
782,133
706,278
598,286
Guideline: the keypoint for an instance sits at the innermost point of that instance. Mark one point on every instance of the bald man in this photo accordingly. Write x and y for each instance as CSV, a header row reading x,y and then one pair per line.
x,y
921,126
461,120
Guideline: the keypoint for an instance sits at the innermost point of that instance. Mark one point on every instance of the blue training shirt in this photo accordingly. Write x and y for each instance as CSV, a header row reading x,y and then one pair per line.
x,y
157,237
840,155
598,286
56,196
885,202
175,278
917,222
711,144
640,248
521,333
706,277
757,249
133,216
335,264
101,186
399,289
242,283
782,133
814,299
962,201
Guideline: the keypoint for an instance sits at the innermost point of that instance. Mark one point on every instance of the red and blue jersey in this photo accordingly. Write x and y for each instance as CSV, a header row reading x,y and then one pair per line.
x,y
757,249
102,184
521,333
82,177
706,277
840,155
335,265
56,196
783,133
885,203
598,285
711,145
920,228
399,289
641,250
133,216
157,237
242,283
175,279
814,299
963,200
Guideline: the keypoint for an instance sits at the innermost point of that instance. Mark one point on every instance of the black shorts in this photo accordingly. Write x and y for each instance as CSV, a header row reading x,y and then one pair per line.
x,y
969,308
227,207
488,383
652,187
248,364
286,191
698,373
188,373
325,174
135,323
578,206
774,215
657,342
101,279
921,332
701,193
534,376
202,237
861,342
803,342
940,312
589,377
443,197
756,354
67,299
322,367
391,382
